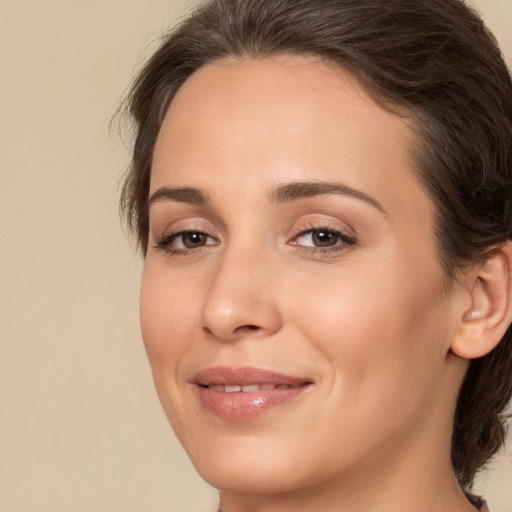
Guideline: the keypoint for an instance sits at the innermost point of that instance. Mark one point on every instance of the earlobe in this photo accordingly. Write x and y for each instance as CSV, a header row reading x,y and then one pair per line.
x,y
485,322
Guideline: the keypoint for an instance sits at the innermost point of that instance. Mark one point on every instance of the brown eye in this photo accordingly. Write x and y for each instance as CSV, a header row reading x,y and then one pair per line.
x,y
193,239
184,242
322,238
326,239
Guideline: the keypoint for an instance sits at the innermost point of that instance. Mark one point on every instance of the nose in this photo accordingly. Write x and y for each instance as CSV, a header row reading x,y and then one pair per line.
x,y
241,300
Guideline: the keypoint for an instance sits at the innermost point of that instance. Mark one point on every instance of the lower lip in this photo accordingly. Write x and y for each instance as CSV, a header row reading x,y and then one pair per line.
x,y
246,406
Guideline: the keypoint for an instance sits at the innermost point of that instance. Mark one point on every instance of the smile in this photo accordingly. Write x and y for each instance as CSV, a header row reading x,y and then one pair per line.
x,y
246,393
251,387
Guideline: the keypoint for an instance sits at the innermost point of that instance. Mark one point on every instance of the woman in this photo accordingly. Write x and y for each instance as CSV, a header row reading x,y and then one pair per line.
x,y
322,192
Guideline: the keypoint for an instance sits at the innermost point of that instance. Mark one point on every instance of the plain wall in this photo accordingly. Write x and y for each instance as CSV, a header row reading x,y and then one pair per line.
x,y
80,426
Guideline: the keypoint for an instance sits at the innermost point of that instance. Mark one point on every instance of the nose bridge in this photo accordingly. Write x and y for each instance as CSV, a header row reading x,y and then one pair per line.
x,y
241,299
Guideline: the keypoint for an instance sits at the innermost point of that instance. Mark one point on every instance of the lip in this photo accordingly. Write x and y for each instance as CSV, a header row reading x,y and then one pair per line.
x,y
278,389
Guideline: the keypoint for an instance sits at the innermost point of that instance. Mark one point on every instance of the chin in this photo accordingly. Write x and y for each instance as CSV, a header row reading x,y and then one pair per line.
x,y
249,465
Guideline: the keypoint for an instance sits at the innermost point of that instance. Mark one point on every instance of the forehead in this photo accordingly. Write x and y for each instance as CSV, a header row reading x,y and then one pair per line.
x,y
282,119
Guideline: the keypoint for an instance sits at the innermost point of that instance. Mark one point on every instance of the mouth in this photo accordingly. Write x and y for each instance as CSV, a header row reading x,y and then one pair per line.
x,y
251,388
246,393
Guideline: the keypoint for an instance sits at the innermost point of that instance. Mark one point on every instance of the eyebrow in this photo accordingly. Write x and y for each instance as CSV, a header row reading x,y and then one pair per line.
x,y
281,194
303,189
182,195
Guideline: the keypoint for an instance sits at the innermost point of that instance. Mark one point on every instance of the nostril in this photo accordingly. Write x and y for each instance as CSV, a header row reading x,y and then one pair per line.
x,y
238,330
248,327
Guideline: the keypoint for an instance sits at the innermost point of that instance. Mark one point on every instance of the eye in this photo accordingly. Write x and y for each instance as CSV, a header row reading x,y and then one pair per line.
x,y
319,238
323,238
190,240
185,241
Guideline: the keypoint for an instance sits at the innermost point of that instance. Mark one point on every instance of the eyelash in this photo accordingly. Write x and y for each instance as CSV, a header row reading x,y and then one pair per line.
x,y
164,243
342,241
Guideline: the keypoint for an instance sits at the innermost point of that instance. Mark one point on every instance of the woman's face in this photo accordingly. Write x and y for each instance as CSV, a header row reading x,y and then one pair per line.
x,y
292,253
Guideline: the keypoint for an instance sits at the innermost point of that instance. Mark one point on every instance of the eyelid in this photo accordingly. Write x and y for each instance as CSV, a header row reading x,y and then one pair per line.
x,y
326,222
179,228
164,242
342,235
311,226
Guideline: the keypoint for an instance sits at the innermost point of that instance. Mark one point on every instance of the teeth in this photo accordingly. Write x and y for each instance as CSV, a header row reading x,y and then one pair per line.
x,y
253,387
250,387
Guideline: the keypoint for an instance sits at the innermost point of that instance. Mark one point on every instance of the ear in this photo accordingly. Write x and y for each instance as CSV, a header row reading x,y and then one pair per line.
x,y
483,325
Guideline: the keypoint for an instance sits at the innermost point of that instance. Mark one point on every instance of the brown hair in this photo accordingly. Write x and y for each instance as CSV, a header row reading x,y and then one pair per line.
x,y
433,57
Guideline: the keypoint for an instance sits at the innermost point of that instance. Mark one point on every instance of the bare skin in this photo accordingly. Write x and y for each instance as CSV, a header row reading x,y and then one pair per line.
x,y
339,285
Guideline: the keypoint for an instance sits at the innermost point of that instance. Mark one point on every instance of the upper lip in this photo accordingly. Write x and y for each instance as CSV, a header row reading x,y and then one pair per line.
x,y
244,376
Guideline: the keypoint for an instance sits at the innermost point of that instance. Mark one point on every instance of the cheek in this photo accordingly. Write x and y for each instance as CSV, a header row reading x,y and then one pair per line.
x,y
382,328
165,314
166,310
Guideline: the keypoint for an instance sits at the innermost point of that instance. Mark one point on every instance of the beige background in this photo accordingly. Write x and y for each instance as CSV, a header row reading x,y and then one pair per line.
x,y
80,426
